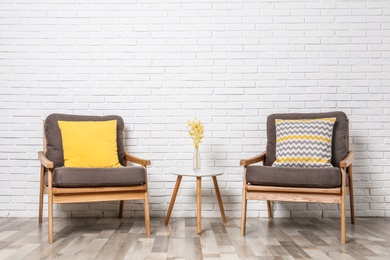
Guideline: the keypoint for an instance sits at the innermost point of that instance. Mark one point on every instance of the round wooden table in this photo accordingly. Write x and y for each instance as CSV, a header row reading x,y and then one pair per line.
x,y
198,174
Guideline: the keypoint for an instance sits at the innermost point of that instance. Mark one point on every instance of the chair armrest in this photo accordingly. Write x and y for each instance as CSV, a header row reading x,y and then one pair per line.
x,y
44,161
256,159
134,159
348,160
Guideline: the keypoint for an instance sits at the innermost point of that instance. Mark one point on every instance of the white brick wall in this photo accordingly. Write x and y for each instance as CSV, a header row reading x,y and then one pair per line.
x,y
158,63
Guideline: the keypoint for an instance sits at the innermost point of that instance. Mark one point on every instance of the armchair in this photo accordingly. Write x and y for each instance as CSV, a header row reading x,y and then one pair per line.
x,y
72,183
305,182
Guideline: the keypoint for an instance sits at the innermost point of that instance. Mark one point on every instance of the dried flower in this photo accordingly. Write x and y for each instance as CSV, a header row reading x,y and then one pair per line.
x,y
195,130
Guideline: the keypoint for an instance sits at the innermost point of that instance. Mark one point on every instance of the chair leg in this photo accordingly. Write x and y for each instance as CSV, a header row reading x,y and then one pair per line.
x,y
343,219
351,197
50,220
269,207
147,216
121,205
41,189
352,205
50,206
243,212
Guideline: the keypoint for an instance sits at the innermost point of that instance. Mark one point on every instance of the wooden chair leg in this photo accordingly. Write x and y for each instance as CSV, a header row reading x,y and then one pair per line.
x,y
352,205
50,207
147,216
50,223
343,219
269,208
121,206
243,212
41,191
351,197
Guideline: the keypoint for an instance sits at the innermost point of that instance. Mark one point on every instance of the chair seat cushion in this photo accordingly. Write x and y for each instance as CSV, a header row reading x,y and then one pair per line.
x,y
294,177
67,177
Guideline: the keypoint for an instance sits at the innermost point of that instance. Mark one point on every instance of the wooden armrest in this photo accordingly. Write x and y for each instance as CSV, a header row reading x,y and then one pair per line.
x,y
44,161
134,159
348,160
256,159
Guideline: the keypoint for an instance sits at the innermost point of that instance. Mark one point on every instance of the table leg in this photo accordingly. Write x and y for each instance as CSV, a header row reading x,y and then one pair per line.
x,y
219,199
199,203
176,189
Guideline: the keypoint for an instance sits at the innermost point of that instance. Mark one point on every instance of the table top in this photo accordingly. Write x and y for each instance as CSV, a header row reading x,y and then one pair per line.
x,y
207,172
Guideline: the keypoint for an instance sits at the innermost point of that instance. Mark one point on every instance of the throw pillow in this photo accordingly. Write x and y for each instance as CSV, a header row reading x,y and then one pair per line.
x,y
89,144
304,143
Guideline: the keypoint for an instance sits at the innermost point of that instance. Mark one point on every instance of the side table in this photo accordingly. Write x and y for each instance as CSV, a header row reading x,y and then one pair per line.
x,y
198,174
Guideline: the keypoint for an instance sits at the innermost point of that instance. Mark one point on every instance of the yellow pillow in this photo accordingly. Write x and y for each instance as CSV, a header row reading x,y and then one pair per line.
x,y
89,144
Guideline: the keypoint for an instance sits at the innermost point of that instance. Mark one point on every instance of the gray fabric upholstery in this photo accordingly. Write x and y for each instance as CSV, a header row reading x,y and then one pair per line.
x,y
54,141
66,177
339,140
293,177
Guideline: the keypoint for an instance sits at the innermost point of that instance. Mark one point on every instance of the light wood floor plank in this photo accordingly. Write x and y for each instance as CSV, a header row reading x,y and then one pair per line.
x,y
125,238
176,248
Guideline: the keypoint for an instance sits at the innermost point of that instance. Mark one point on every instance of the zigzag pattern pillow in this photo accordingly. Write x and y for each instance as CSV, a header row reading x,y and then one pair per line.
x,y
304,143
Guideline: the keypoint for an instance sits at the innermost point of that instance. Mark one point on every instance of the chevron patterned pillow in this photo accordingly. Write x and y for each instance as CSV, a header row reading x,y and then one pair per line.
x,y
304,142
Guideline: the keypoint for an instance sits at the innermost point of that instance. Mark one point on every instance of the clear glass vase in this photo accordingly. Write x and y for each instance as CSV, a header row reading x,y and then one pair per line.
x,y
196,160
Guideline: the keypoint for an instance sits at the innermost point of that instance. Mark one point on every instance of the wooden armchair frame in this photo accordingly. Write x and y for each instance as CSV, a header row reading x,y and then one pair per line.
x,y
91,194
292,194
290,189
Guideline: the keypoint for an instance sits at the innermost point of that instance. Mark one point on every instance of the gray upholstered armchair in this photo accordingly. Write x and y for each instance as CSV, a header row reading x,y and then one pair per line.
x,y
290,172
72,183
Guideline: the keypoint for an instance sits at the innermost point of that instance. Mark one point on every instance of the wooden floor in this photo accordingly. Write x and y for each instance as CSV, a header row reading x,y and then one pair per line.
x,y
112,238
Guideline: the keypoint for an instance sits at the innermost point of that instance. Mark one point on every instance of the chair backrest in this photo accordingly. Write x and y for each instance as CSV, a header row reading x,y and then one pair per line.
x,y
53,139
340,139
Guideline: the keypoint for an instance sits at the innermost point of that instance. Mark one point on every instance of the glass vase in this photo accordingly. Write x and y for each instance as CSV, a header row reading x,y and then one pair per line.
x,y
196,160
